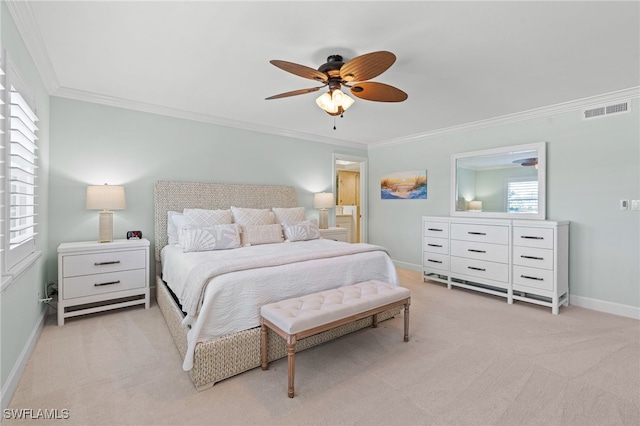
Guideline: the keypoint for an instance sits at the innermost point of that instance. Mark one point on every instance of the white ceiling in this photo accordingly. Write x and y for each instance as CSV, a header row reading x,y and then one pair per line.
x,y
460,62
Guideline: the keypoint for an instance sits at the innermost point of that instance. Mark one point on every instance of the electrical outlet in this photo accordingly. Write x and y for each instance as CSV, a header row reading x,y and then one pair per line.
x,y
624,204
635,204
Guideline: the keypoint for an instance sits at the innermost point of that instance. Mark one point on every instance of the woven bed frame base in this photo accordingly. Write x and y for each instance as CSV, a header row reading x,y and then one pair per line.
x,y
221,358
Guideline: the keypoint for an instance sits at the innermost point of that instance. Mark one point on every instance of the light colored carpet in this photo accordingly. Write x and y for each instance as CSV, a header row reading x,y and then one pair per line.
x,y
472,360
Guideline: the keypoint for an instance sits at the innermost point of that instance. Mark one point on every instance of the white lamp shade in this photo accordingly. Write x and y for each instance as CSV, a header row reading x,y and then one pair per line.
x,y
323,200
475,206
105,197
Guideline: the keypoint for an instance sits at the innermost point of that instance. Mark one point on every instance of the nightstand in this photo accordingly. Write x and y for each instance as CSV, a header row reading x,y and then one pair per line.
x,y
95,277
337,234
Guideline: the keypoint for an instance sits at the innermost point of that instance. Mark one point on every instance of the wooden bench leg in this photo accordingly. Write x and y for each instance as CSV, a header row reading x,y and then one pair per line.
x,y
264,342
374,322
406,320
291,359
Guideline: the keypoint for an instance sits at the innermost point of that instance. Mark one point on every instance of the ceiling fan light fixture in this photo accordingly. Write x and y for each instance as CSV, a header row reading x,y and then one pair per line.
x,y
334,102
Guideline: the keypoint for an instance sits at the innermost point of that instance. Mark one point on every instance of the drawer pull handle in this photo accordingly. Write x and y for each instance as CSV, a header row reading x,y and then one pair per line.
x,y
476,269
434,245
477,233
530,237
531,278
531,257
434,261
107,283
113,262
476,251
434,229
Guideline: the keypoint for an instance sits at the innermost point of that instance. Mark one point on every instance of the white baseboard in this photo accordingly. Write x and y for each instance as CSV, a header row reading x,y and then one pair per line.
x,y
10,386
583,302
604,306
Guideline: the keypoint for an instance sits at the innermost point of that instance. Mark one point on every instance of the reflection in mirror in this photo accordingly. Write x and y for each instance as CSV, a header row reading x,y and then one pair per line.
x,y
503,182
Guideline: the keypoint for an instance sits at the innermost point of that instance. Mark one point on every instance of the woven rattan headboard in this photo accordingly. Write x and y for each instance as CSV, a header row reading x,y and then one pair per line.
x,y
176,196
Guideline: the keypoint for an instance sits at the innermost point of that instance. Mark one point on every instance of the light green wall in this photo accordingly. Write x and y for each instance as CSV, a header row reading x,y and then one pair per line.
x,y
20,311
591,165
95,144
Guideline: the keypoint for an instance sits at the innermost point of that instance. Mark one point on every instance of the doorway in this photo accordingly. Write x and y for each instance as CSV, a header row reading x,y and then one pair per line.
x,y
350,188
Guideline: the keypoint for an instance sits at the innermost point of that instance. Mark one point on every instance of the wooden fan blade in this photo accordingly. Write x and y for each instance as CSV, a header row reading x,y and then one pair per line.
x,y
294,93
300,70
367,66
379,92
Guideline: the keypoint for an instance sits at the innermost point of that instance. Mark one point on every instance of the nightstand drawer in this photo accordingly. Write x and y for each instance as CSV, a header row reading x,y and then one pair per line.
x,y
91,285
97,263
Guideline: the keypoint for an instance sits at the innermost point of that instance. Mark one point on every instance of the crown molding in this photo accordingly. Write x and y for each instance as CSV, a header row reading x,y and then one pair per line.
x,y
620,95
27,27
96,98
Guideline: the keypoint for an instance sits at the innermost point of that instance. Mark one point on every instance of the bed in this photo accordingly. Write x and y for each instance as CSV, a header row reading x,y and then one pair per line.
x,y
212,349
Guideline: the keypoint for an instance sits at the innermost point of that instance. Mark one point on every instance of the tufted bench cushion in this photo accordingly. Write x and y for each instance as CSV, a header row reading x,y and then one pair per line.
x,y
304,316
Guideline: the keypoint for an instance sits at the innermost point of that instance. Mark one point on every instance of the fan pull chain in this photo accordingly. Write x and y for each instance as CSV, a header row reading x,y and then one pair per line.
x,y
334,122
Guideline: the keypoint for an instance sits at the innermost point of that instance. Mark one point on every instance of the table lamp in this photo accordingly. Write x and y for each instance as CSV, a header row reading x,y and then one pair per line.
x,y
323,201
105,197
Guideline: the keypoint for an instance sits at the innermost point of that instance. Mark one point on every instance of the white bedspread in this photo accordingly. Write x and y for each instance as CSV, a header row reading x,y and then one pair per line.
x,y
231,300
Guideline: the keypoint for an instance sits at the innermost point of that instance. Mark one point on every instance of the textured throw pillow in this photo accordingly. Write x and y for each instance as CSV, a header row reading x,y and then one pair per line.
x,y
301,231
261,234
246,217
217,237
175,221
289,215
201,217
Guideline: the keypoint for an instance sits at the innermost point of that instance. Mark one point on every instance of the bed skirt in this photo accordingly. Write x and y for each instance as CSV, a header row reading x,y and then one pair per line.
x,y
226,356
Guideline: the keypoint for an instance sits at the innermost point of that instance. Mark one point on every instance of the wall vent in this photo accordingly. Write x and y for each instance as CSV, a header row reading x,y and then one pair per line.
x,y
606,110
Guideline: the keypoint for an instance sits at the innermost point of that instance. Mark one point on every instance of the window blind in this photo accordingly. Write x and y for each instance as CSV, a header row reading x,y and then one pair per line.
x,y
522,196
22,181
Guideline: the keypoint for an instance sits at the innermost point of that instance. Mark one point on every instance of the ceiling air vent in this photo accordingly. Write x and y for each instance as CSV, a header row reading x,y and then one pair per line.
x,y
606,110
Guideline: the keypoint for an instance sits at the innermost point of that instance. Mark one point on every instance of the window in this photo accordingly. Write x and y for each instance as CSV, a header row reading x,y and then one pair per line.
x,y
522,195
20,172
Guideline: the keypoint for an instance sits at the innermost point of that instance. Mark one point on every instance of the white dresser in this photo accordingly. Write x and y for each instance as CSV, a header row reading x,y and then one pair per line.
x,y
523,260
95,277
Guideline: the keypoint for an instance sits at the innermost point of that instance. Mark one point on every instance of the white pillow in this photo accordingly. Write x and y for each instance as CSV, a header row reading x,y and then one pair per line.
x,y
244,216
202,217
261,234
301,231
217,237
175,221
289,215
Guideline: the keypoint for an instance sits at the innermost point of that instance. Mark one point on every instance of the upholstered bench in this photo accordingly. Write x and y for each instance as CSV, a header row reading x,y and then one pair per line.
x,y
300,317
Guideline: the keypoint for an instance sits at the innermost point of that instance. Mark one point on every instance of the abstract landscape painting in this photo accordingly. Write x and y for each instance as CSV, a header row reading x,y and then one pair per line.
x,y
404,186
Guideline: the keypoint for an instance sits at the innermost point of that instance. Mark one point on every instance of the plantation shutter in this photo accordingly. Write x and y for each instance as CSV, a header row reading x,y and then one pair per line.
x,y
522,196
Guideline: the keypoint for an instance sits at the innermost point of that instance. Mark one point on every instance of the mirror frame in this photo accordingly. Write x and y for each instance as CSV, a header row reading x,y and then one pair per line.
x,y
542,173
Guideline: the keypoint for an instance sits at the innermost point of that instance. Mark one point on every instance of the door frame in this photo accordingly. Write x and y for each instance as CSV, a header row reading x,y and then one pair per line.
x,y
364,194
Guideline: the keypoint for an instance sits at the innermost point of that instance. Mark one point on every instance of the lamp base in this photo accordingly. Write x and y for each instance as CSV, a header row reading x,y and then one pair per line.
x,y
105,228
324,219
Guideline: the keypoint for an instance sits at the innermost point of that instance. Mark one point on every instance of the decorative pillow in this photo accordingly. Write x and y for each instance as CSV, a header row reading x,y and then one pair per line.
x,y
245,217
261,234
301,231
217,237
289,215
175,221
201,217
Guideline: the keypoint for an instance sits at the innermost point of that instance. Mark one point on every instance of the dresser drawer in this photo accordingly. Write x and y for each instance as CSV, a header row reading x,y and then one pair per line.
x,y
533,257
495,234
436,245
533,237
480,251
533,277
436,229
480,268
436,261
91,285
96,263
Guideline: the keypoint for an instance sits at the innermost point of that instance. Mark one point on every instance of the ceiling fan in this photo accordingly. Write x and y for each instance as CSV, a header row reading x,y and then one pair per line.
x,y
353,74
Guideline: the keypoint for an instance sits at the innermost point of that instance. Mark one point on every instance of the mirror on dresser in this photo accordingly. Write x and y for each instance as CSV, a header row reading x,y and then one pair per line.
x,y
507,182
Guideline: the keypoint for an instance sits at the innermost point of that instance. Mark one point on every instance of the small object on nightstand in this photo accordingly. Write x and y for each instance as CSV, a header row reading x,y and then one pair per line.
x,y
95,277
134,235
